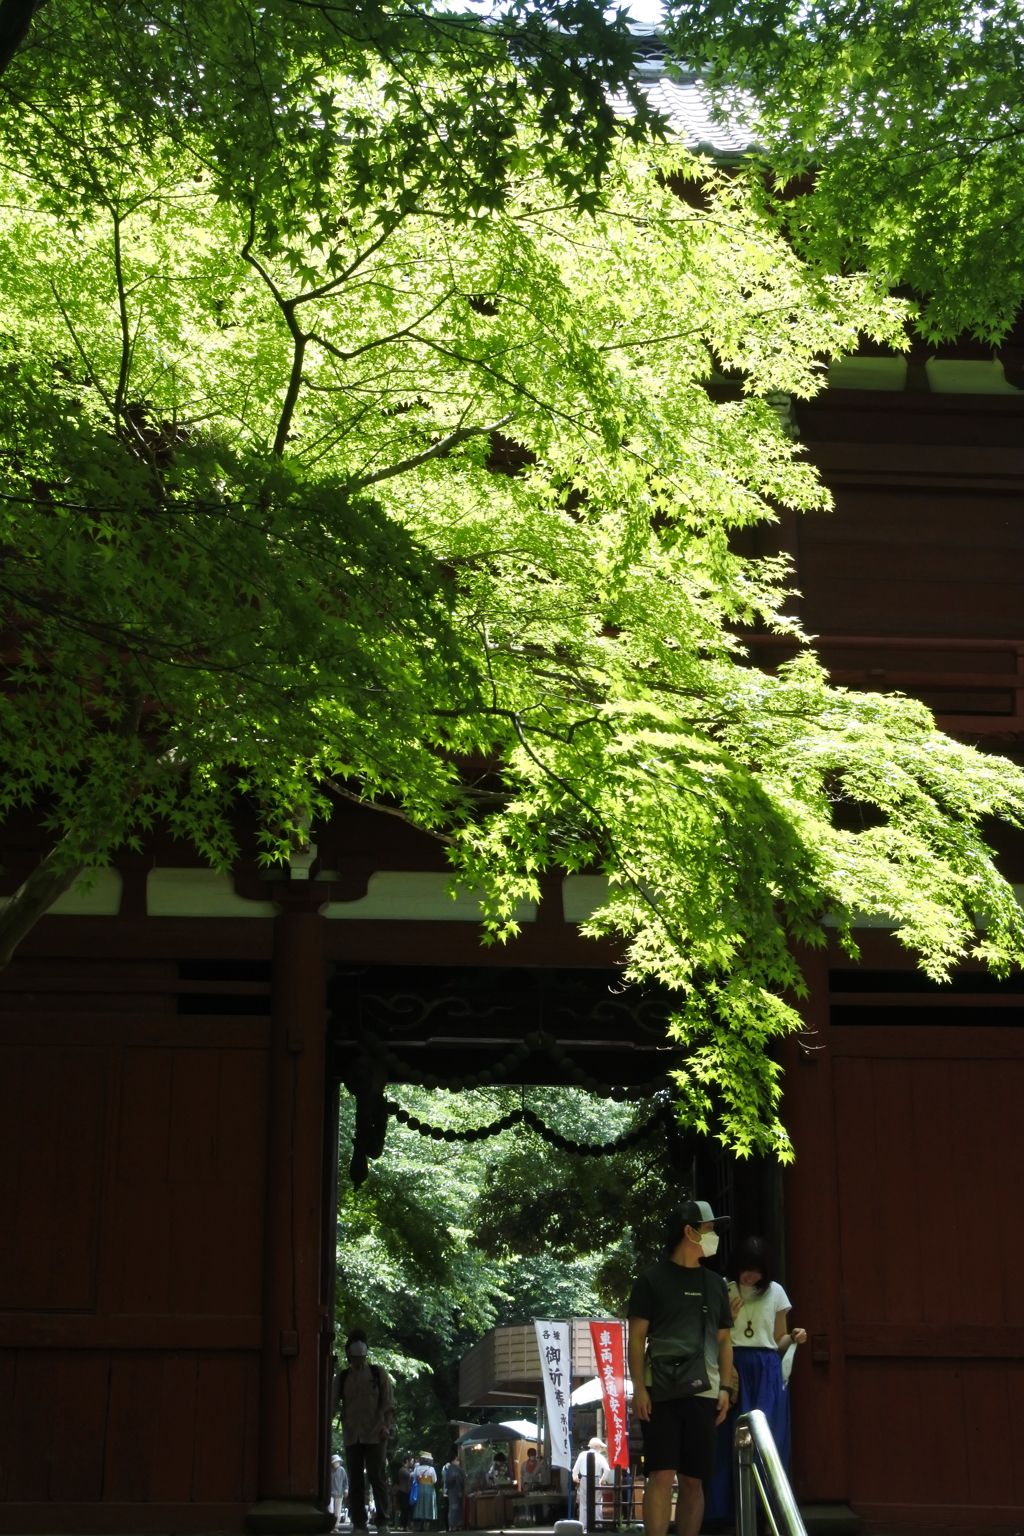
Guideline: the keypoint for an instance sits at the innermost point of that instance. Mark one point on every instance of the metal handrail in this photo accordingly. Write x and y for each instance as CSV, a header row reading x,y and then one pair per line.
x,y
759,1466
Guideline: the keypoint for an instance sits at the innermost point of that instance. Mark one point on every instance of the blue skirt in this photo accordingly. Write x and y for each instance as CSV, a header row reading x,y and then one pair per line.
x,y
761,1386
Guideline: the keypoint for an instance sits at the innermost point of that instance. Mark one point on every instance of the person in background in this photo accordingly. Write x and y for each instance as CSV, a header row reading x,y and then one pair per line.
x,y
366,1400
498,1472
579,1477
455,1492
403,1482
760,1338
529,1480
423,1505
339,1488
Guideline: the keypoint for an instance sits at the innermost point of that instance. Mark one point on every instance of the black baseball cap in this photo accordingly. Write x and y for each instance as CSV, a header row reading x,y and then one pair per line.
x,y
693,1213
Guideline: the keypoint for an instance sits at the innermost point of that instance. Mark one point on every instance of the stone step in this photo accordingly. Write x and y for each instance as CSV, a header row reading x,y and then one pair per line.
x,y
831,1520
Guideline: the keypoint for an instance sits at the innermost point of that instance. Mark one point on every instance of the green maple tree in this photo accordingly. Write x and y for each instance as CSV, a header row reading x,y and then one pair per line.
x,y
902,119
334,461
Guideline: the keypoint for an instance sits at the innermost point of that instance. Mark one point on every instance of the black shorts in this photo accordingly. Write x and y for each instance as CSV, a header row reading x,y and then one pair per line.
x,y
679,1437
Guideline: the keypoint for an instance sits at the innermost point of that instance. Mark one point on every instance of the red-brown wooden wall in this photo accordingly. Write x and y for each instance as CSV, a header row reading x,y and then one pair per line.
x,y
905,1246
131,1209
905,1234
162,1352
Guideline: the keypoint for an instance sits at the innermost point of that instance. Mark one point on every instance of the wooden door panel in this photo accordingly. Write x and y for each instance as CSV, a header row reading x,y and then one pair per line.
x,y
988,1431
894,1228
932,1166
144,1120
903,1429
171,1467
135,1383
52,1425
181,1428
192,1127
999,1224
926,1148
234,1273
52,1123
933,1433
929,1165
30,1448
8,1372
131,1269
79,1416
860,1182
189,1235
227,1429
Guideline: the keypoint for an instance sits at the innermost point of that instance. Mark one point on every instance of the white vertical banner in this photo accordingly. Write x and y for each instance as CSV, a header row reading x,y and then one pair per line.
x,y
554,1344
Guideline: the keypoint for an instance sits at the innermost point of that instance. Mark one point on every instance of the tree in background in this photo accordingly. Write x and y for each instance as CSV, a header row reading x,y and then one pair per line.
x,y
910,115
442,1242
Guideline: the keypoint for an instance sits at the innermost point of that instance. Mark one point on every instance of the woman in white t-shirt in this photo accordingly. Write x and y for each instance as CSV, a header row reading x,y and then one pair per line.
x,y
761,1337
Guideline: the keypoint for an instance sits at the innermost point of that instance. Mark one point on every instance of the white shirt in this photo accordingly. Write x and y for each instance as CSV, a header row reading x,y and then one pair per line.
x,y
759,1312
600,1465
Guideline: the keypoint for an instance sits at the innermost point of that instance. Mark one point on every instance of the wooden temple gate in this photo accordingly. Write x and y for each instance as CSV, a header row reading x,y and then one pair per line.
x,y
168,1115
170,1048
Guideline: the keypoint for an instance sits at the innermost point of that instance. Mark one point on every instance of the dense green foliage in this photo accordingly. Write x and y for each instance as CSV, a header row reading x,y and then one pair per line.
x,y
911,111
319,475
431,102
441,1243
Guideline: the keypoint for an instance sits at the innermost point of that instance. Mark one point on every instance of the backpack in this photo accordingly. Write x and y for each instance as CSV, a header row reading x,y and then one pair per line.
x,y
338,1394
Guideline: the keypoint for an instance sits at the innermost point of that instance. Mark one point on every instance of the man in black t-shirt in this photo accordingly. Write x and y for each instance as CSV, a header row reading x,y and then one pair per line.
x,y
680,1359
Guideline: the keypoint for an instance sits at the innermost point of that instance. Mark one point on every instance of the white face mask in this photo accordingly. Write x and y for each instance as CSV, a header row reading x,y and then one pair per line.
x,y
709,1244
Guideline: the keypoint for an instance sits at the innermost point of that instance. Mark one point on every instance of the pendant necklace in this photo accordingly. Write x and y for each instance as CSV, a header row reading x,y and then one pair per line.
x,y
748,1332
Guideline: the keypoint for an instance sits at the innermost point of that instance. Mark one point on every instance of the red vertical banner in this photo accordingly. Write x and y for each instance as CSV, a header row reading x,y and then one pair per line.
x,y
610,1351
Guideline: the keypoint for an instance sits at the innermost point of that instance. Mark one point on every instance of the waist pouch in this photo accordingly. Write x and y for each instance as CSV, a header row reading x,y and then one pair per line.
x,y
677,1376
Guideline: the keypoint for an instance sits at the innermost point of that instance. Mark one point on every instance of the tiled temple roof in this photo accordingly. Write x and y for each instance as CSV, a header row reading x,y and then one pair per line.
x,y
683,101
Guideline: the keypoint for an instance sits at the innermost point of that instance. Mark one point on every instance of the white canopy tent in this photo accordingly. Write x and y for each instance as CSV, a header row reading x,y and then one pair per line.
x,y
590,1392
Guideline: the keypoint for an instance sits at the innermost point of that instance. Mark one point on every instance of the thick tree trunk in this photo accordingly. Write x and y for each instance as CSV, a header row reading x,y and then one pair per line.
x,y
34,898
15,20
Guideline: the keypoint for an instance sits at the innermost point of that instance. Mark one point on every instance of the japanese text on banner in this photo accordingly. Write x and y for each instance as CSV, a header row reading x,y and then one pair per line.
x,y
609,1352
554,1344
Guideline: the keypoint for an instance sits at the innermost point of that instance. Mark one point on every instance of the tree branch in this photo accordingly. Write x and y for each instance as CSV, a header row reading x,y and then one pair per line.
x,y
121,392
33,899
453,438
92,377
335,282
15,20
298,335
385,810
378,341
292,393
53,876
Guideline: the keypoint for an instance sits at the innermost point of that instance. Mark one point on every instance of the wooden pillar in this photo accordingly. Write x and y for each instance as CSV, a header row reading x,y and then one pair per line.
x,y
296,1324
328,1274
813,1258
